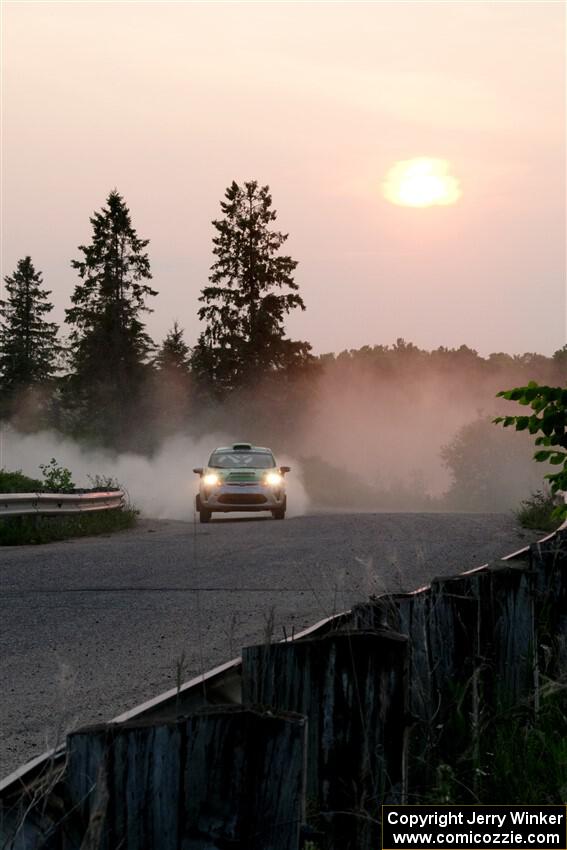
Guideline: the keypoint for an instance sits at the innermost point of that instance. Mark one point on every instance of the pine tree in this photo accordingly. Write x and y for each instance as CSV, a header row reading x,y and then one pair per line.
x,y
28,343
110,346
171,384
173,356
251,291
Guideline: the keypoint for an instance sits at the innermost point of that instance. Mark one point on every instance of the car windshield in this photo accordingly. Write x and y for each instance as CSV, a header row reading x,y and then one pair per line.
x,y
231,460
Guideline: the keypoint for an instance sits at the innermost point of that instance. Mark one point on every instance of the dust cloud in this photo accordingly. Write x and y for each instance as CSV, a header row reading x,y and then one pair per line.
x,y
416,439
162,486
377,429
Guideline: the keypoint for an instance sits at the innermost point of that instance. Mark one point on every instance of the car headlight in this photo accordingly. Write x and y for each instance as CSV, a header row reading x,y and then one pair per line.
x,y
274,479
211,479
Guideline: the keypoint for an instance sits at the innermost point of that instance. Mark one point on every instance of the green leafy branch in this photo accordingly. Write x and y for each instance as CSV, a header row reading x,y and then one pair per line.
x,y
56,479
549,422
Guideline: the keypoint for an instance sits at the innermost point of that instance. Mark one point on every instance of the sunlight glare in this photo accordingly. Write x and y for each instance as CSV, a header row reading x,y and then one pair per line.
x,y
421,182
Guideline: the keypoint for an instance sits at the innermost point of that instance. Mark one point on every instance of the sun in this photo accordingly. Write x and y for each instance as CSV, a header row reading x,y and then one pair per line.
x,y
421,182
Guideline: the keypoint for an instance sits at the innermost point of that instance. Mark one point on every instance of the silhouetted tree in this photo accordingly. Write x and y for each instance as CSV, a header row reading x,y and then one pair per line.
x,y
109,343
173,355
171,383
489,472
560,361
251,291
28,342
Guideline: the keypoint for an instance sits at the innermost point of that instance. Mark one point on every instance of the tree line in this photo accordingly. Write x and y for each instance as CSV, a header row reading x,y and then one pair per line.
x,y
105,380
97,380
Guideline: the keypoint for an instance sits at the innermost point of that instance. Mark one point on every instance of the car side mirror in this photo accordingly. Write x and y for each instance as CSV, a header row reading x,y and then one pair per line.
x,y
198,470
284,469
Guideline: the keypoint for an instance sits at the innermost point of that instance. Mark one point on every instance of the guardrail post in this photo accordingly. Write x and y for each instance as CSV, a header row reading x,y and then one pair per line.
x,y
224,776
352,688
471,655
548,560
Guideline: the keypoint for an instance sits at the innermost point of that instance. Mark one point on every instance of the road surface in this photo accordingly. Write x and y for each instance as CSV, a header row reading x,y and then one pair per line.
x,y
92,627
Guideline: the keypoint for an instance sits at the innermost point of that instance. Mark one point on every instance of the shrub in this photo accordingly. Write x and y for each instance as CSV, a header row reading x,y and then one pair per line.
x,y
57,479
539,512
17,482
103,482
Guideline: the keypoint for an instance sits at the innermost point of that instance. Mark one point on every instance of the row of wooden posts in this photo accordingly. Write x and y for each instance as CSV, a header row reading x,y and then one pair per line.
x,y
330,726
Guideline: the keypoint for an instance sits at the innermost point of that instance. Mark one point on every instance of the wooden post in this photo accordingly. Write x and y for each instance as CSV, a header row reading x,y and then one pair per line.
x,y
407,614
471,654
352,688
548,560
230,776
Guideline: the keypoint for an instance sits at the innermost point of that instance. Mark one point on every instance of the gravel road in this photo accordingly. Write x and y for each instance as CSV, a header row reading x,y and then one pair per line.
x,y
92,627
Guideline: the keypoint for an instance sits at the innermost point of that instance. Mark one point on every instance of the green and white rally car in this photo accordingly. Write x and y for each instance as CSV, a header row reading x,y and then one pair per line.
x,y
241,477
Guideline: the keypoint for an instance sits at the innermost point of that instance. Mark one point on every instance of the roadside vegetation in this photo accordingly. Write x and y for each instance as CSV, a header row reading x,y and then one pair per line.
x,y
512,748
548,423
536,750
17,482
21,530
539,512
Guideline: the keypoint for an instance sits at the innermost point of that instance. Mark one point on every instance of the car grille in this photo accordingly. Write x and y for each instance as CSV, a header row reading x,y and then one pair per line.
x,y
242,499
242,477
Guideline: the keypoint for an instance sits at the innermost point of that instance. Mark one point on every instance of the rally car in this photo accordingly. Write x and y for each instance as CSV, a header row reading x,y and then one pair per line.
x,y
241,477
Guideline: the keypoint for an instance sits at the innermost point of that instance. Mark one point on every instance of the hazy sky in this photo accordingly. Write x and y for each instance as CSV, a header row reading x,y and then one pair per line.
x,y
169,102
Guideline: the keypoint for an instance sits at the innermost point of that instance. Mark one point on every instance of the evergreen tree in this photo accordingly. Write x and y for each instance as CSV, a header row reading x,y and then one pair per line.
x,y
173,356
109,343
28,342
251,291
171,384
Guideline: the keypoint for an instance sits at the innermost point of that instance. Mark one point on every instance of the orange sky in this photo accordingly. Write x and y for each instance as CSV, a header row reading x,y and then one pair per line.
x,y
169,102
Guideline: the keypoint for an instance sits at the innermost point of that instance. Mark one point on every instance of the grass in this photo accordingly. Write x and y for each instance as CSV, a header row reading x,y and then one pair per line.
x,y
521,760
537,512
18,531
529,763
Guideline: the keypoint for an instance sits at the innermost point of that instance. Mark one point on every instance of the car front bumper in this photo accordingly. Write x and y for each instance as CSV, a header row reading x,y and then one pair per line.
x,y
242,497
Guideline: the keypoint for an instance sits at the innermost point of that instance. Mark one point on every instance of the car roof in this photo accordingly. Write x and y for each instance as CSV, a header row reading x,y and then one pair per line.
x,y
243,447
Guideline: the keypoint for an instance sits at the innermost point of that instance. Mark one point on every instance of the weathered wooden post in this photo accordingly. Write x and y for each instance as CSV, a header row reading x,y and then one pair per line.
x,y
471,655
492,610
509,636
351,686
412,615
224,777
408,614
245,780
548,560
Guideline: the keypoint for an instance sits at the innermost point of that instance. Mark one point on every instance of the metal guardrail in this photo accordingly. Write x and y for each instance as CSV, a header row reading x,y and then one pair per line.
x,y
58,504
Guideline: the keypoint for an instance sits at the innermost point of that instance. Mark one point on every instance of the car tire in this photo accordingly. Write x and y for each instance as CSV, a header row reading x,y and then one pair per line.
x,y
205,515
279,513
